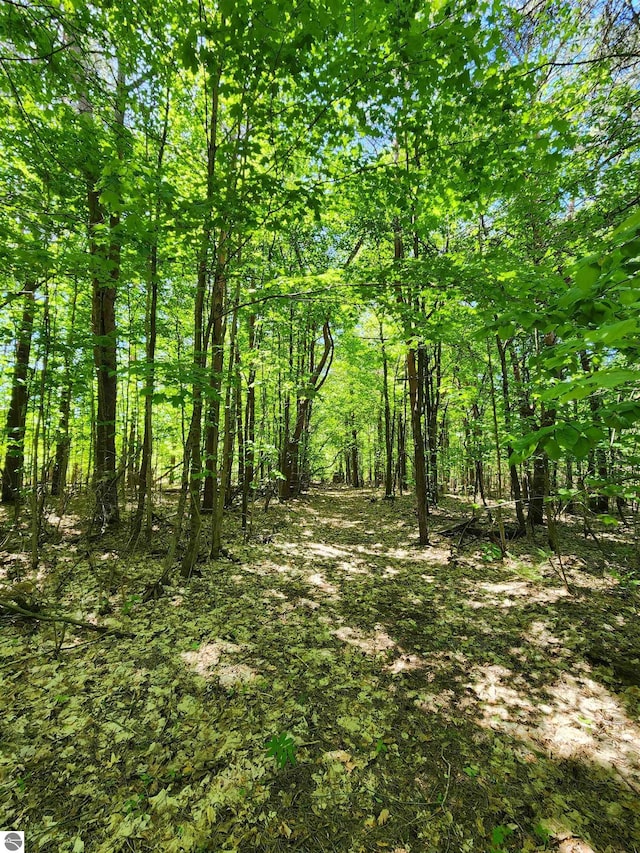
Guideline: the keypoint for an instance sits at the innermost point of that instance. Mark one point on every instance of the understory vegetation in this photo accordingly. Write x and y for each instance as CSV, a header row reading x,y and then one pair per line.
x,y
319,394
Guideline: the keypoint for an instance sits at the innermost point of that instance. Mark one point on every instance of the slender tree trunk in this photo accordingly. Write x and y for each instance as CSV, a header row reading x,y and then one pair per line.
x,y
402,454
315,382
228,439
286,464
195,428
516,492
12,473
105,265
63,440
540,479
432,378
239,430
214,485
104,357
388,428
418,447
39,489
199,347
420,469
249,429
597,462
151,318
355,472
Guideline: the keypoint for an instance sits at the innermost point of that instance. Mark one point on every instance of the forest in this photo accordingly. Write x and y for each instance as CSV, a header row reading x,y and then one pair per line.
x,y
319,421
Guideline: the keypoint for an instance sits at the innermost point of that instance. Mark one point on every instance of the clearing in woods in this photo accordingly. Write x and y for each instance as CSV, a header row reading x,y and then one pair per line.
x,y
336,689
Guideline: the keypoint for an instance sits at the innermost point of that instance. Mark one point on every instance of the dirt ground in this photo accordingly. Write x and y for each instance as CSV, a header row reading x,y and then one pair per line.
x,y
336,689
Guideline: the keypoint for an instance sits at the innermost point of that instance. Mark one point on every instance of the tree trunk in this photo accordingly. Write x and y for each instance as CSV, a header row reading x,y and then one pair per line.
x,y
355,472
418,447
151,317
199,346
516,493
105,266
416,414
13,470
63,441
432,385
540,479
249,428
315,382
597,461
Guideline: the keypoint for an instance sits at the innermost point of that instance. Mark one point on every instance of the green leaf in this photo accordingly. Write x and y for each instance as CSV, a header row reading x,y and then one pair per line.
x,y
612,332
282,748
632,223
586,276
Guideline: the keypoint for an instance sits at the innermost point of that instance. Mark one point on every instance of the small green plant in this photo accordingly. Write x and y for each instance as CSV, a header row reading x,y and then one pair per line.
x,y
472,770
499,835
129,604
283,749
135,803
490,553
542,833
381,747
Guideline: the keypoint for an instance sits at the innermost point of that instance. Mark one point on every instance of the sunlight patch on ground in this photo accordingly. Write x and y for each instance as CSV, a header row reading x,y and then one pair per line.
x,y
586,718
208,656
575,718
509,588
341,523
354,567
511,593
233,674
575,845
327,552
538,634
500,703
274,593
406,663
318,580
341,756
307,603
372,644
269,567
434,703
433,555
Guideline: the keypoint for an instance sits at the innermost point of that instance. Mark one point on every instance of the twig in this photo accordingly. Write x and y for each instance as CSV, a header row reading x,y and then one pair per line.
x,y
50,617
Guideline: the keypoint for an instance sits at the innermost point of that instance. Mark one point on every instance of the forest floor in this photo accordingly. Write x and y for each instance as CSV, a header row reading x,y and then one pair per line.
x,y
337,689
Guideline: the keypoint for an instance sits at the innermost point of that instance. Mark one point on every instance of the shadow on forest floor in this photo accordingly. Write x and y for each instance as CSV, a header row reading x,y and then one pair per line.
x,y
437,699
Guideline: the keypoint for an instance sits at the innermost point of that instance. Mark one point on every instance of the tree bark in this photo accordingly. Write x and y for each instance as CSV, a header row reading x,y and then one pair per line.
x,y
516,492
105,264
418,447
249,427
12,473
63,441
388,427
200,347
315,382
597,461
420,469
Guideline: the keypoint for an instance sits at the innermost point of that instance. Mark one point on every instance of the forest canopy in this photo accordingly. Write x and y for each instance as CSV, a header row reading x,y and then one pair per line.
x,y
192,193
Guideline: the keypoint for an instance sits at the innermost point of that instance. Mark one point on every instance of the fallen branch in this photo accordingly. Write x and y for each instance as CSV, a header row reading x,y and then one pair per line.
x,y
462,527
67,620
